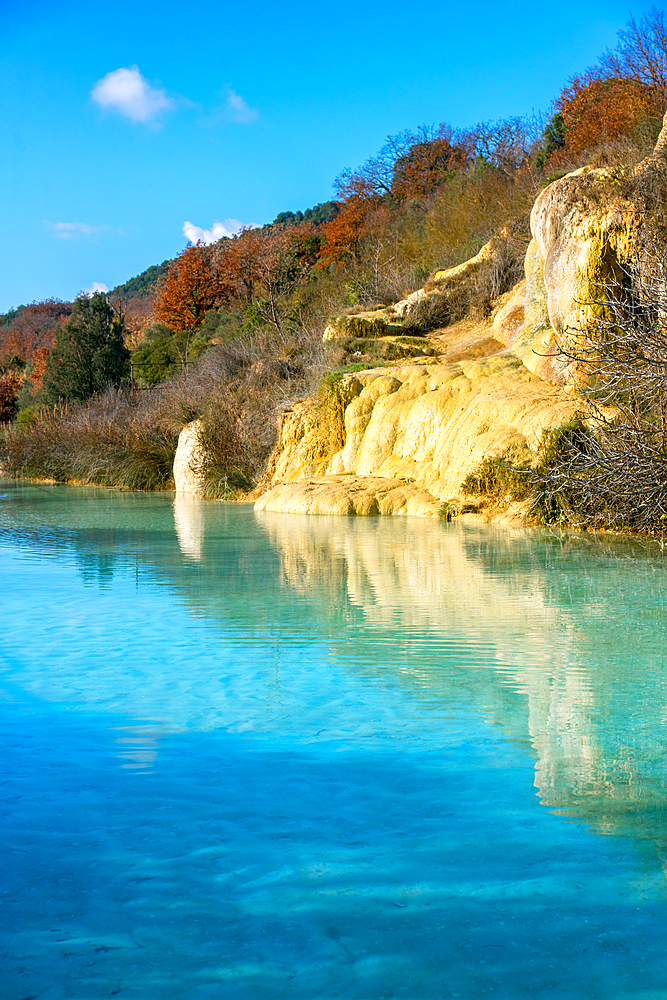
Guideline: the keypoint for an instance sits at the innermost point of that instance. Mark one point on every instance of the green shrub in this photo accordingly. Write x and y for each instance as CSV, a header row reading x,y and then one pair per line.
x,y
498,478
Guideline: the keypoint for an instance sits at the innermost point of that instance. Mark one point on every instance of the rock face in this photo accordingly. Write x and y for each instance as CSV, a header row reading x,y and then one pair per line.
x,y
189,459
582,225
589,227
523,324
426,425
350,495
413,432
364,324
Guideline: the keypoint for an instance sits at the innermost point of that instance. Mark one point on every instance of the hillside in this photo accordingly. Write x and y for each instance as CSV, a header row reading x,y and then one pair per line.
x,y
446,336
143,284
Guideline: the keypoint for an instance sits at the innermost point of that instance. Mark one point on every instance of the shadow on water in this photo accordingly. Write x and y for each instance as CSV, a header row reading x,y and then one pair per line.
x,y
322,744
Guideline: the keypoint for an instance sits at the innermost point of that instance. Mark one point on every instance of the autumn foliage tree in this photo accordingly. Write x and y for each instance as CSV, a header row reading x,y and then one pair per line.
x,y
193,286
259,267
341,238
10,384
622,98
594,110
34,327
38,368
136,312
253,272
425,166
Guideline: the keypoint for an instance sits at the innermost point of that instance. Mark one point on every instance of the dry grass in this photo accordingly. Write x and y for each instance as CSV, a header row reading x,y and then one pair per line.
x,y
115,440
129,439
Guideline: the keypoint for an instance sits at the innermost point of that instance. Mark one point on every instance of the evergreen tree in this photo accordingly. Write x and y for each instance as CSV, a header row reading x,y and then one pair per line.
x,y
88,355
554,138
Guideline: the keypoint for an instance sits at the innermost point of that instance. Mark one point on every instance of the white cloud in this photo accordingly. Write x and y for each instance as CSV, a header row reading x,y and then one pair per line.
x,y
77,230
238,110
97,286
230,227
127,92
73,230
234,109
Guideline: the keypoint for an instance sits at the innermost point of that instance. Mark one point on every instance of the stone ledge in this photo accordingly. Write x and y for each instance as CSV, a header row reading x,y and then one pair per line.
x,y
350,495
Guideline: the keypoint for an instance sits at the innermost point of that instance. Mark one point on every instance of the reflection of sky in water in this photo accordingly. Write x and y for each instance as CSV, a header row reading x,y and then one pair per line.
x,y
297,756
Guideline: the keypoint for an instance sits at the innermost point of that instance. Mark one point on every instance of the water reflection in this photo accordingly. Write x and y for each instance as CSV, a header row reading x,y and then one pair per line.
x,y
572,629
286,756
558,640
189,519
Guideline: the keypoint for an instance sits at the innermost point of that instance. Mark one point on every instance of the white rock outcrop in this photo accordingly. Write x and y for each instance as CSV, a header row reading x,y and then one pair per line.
x,y
189,460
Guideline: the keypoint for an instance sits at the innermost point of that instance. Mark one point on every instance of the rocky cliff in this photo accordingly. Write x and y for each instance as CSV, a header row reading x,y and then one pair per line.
x,y
412,432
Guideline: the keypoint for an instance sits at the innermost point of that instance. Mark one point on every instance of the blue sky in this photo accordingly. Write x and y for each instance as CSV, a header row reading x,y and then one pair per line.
x,y
123,122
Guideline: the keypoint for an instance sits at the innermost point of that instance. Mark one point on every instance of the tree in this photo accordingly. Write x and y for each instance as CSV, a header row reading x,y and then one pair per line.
x,y
508,145
641,55
373,179
38,368
10,384
592,110
409,165
342,236
89,353
553,138
135,313
260,267
622,98
193,285
32,328
425,166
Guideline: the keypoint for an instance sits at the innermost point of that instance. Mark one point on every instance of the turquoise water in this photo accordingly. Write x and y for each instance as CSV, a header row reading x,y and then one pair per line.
x,y
278,756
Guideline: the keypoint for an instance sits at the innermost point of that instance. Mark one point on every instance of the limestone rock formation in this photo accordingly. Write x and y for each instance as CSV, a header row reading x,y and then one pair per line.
x,y
589,226
428,425
371,324
446,282
483,389
188,460
582,226
350,495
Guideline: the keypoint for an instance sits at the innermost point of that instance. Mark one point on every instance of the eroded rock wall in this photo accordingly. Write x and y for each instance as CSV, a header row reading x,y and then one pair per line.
x,y
428,425
413,432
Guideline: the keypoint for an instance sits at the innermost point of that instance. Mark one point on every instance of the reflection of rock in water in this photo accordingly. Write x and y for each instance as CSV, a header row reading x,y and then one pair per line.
x,y
558,639
551,618
189,522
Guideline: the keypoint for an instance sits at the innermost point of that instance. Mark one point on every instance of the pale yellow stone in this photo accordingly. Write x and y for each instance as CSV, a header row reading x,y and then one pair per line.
x,y
188,460
434,428
361,495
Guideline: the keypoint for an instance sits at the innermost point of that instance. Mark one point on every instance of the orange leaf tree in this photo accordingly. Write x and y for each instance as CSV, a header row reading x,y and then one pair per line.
x,y
596,110
341,238
10,384
193,285
259,267
34,327
425,166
